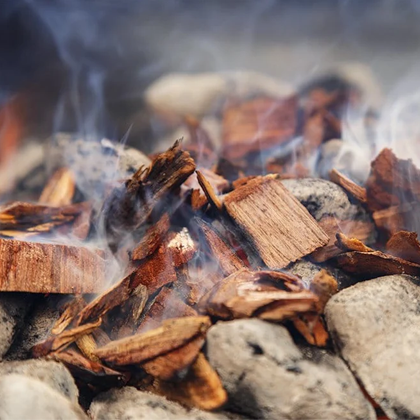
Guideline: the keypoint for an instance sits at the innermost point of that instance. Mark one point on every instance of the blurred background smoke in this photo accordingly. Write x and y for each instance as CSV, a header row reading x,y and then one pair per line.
x,y
83,65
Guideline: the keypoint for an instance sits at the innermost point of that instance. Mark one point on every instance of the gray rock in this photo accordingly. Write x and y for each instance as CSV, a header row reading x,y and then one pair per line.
x,y
130,404
268,377
306,270
23,397
36,328
323,198
94,163
13,308
53,374
376,326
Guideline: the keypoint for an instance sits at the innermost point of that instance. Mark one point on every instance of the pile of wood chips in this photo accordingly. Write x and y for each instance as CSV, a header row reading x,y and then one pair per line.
x,y
198,246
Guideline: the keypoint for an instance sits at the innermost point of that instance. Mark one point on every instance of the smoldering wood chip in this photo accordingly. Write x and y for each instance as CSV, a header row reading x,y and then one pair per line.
x,y
275,223
136,349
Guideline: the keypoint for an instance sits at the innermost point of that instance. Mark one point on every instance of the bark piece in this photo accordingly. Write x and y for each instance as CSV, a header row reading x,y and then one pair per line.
x,y
360,229
257,124
351,244
275,223
392,181
167,366
368,265
201,388
228,261
247,294
60,189
61,341
174,333
356,191
404,245
212,198
152,238
130,205
49,268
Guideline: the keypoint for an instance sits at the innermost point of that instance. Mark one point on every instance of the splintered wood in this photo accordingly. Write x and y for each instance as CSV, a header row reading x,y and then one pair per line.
x,y
275,223
49,268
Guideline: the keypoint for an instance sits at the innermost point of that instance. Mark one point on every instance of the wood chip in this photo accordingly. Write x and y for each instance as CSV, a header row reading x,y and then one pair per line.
x,y
87,345
69,314
49,268
201,388
324,285
152,238
274,221
359,229
180,247
60,189
392,181
247,294
369,265
354,190
130,205
404,245
169,365
211,195
351,244
227,259
59,342
257,124
136,349
312,329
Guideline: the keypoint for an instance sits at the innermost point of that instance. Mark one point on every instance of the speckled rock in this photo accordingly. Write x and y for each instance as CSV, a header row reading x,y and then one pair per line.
x,y
53,374
23,397
268,377
13,308
130,404
376,326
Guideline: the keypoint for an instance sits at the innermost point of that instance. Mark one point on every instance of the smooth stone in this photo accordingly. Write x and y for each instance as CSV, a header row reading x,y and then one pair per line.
x,y
376,327
128,403
268,377
23,397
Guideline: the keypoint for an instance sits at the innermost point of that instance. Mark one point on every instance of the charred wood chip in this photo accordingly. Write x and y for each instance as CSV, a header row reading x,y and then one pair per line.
x,y
257,124
49,268
152,238
60,189
392,181
359,229
114,296
368,265
59,342
173,333
168,304
351,244
156,270
354,190
404,245
181,247
274,222
227,259
130,205
247,294
201,388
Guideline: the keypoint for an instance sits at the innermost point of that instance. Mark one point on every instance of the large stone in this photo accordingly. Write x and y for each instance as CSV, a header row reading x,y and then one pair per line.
x,y
177,95
376,326
130,404
13,308
23,397
268,377
53,374
324,198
